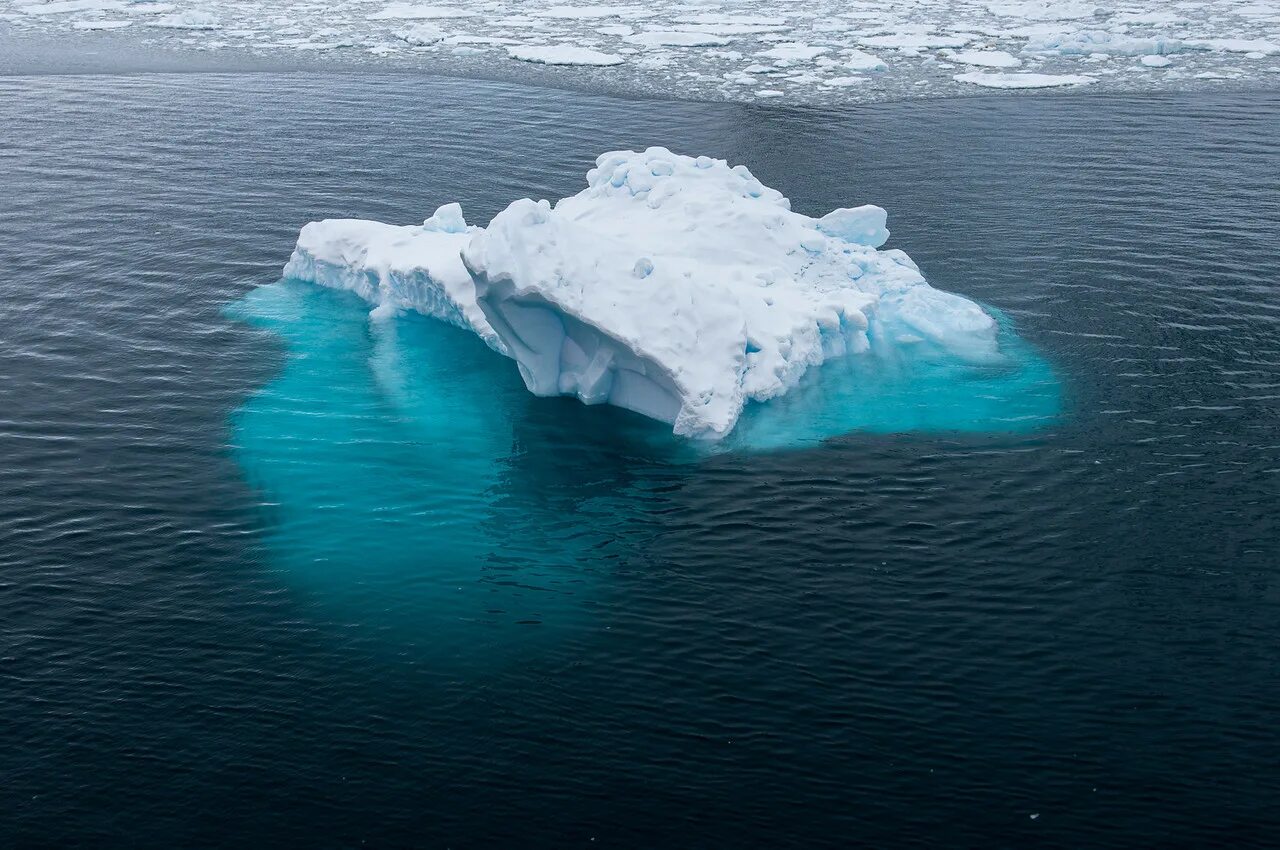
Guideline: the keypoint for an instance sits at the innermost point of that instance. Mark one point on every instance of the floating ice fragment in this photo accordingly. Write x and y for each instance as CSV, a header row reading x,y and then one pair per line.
x,y
192,19
986,58
1023,81
563,54
857,60
412,11
421,34
676,38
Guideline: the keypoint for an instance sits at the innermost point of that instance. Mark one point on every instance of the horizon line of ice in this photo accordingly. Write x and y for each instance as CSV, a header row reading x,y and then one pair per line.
x,y
677,287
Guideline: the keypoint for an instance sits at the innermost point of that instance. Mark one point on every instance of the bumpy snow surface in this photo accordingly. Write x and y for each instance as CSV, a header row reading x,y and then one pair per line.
x,y
746,50
676,287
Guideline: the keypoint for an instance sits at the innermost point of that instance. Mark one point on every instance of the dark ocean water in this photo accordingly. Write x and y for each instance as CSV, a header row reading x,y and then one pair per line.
x,y
272,577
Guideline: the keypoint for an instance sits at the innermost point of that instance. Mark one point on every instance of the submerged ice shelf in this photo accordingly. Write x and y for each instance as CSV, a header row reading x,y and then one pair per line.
x,y
679,288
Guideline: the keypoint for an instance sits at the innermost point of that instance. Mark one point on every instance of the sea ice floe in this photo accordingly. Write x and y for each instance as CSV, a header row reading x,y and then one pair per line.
x,y
1087,42
858,60
676,38
1023,81
563,54
699,49
417,12
193,19
677,287
421,34
986,58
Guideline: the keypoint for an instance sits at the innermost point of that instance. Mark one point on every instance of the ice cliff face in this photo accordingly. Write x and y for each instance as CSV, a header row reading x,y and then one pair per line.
x,y
676,287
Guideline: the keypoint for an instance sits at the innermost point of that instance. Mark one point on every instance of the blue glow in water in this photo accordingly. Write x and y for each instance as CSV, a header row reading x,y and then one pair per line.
x,y
902,389
405,473
403,459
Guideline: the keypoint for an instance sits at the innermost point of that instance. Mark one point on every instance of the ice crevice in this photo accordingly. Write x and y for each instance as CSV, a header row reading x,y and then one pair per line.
x,y
678,287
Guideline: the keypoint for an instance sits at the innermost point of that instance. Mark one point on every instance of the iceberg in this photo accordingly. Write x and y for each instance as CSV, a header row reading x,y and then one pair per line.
x,y
677,287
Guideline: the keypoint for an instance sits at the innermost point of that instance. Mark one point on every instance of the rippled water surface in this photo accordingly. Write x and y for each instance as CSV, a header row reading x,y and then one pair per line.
x,y
274,575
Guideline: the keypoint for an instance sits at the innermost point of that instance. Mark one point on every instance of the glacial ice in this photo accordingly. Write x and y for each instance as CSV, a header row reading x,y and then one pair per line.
x,y
677,287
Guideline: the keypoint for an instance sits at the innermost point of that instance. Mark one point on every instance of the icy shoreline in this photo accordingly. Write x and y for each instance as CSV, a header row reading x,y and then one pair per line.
x,y
775,53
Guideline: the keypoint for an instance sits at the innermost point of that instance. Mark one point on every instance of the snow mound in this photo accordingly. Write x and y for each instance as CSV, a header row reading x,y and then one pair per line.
x,y
676,287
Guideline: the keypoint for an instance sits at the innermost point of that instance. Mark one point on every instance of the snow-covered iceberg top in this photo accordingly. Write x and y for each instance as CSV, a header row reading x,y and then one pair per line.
x,y
678,287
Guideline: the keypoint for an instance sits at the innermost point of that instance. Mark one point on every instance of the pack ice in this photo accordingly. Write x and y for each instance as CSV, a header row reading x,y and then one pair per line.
x,y
677,287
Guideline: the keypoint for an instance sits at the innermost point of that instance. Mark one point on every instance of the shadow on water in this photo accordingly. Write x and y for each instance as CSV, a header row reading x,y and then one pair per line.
x,y
411,475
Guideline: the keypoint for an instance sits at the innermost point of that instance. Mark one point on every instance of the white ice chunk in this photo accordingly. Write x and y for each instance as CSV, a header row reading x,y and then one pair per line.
x,y
396,268
916,41
192,19
1044,10
1240,45
986,58
858,60
418,12
581,13
1023,81
62,7
864,225
421,34
563,54
795,51
676,38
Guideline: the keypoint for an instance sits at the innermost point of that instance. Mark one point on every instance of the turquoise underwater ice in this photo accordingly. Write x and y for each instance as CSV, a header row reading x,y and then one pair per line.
x,y
402,459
